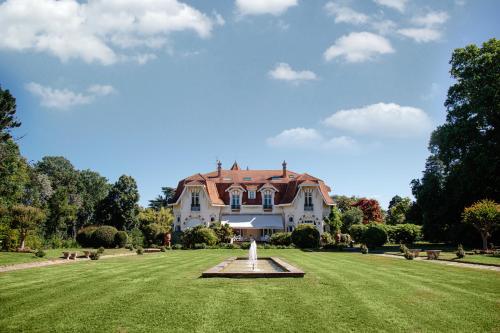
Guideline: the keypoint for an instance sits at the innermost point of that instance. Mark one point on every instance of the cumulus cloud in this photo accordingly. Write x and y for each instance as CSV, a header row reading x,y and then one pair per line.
x,y
431,19
358,47
96,30
421,35
311,139
382,120
394,4
428,27
260,7
284,72
344,14
65,98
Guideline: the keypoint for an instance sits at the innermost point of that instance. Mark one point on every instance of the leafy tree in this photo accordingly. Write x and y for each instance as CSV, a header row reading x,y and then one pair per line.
x,y
223,231
60,172
350,217
484,215
62,215
92,188
39,189
25,219
14,174
163,199
334,220
398,210
344,203
7,115
465,151
371,210
120,207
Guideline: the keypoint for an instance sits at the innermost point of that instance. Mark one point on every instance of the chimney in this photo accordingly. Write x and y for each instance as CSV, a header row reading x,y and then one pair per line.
x,y
284,169
219,168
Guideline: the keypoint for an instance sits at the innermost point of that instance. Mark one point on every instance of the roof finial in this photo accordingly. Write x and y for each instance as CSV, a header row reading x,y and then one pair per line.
x,y
235,166
219,168
284,168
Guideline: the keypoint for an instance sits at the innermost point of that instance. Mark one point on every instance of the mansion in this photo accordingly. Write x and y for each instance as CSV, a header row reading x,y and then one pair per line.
x,y
255,203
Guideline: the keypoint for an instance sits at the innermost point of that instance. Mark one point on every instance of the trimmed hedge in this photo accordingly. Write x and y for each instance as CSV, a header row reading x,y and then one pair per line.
x,y
281,238
84,236
121,239
306,236
356,231
104,236
375,235
198,235
404,233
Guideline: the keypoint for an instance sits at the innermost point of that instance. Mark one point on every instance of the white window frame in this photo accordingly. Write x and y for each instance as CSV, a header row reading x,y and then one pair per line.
x,y
252,194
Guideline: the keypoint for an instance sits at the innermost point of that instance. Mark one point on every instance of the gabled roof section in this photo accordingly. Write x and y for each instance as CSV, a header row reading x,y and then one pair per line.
x,y
235,166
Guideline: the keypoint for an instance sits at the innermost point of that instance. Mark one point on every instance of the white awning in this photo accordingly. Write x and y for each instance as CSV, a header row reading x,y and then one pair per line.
x,y
253,221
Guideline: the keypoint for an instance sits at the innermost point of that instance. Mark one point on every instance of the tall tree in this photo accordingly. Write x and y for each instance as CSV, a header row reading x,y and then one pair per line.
x,y
120,207
14,174
344,203
465,152
8,119
163,199
62,215
372,213
25,218
398,210
92,188
334,220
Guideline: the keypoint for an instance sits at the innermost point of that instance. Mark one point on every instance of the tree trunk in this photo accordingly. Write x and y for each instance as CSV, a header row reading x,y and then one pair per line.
x,y
23,238
484,236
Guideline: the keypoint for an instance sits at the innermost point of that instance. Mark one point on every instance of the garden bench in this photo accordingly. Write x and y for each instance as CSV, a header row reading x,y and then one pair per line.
x,y
415,252
433,254
73,255
66,255
151,250
86,254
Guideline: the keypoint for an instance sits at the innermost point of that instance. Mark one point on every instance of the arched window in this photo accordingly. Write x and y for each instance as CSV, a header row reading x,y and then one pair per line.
x,y
268,199
235,200
290,228
195,200
308,200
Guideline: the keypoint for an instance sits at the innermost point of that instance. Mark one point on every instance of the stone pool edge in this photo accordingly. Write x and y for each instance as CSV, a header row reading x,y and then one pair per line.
x,y
289,270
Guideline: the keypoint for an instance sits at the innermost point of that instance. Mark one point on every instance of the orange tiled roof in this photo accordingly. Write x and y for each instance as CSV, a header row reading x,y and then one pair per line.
x,y
288,186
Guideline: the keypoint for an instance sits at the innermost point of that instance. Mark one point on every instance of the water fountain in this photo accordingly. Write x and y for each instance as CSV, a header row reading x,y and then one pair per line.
x,y
252,255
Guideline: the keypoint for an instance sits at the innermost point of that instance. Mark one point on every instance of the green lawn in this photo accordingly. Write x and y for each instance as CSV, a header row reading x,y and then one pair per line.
x,y
164,292
451,256
9,258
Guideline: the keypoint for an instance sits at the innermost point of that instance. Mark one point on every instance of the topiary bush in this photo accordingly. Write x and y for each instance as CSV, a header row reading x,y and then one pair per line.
x,y
104,236
140,250
375,235
94,255
200,246
363,249
281,238
306,236
198,235
40,253
100,250
121,239
404,233
356,231
129,247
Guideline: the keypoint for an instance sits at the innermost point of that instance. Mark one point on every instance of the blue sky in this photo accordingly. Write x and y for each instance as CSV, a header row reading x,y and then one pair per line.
x,y
347,91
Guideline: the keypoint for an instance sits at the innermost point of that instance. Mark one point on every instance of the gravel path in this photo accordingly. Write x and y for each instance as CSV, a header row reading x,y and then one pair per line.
x,y
449,263
51,262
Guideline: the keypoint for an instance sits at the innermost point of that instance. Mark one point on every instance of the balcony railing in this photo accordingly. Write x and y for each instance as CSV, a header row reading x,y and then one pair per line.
x,y
308,207
195,208
235,207
268,207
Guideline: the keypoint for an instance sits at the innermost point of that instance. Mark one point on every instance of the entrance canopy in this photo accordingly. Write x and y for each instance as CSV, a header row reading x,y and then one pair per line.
x,y
253,221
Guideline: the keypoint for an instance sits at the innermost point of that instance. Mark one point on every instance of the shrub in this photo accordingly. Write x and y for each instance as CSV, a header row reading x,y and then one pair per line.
x,y
408,255
200,246
33,241
403,248
176,237
100,250
306,236
281,238
223,232
177,247
94,255
104,236
136,237
84,236
404,233
198,235
345,238
335,246
364,249
245,245
121,238
40,253
326,238
55,242
357,231
460,251
375,235
163,249
154,233
70,243
129,247
140,250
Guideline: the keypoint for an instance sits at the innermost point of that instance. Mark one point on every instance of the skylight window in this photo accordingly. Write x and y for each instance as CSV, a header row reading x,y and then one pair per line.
x,y
227,178
247,178
291,176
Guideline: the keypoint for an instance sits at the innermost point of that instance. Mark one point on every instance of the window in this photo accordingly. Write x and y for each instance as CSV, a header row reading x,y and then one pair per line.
x,y
195,200
308,201
247,178
227,178
290,219
291,176
266,231
235,200
290,228
251,194
268,199
177,228
178,219
212,219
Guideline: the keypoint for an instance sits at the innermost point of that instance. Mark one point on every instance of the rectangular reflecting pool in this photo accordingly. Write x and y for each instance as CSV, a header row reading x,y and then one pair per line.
x,y
241,267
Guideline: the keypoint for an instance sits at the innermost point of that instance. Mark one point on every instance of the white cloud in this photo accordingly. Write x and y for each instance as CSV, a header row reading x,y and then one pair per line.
x,y
284,72
96,30
431,19
382,120
310,138
344,14
358,47
384,27
421,35
394,4
260,7
65,98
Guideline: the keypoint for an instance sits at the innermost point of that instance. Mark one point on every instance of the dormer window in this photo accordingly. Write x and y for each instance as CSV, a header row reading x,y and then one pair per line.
x,y
308,200
268,199
251,195
195,201
235,200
